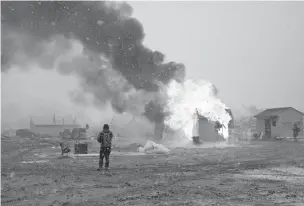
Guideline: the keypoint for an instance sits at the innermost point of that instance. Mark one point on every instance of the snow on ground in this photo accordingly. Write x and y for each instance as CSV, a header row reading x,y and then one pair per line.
x,y
263,173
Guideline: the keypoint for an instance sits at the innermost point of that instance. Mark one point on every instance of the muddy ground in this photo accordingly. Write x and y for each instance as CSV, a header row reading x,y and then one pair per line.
x,y
259,173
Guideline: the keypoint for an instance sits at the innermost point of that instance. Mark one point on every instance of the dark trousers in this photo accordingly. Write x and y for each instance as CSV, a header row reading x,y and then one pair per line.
x,y
104,153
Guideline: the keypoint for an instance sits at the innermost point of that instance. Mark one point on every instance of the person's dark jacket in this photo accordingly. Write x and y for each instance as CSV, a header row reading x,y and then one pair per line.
x,y
105,138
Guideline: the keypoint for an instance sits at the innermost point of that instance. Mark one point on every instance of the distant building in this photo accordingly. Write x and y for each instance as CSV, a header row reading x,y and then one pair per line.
x,y
51,129
279,122
24,133
8,133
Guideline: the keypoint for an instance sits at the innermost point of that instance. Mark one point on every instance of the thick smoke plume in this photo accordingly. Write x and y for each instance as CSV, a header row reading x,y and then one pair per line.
x,y
110,58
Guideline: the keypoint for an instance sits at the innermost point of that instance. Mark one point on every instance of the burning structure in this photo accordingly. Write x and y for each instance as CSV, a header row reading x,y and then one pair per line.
x,y
195,109
205,130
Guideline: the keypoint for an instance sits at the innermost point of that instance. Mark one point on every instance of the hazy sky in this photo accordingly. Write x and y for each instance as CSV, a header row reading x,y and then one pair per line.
x,y
252,51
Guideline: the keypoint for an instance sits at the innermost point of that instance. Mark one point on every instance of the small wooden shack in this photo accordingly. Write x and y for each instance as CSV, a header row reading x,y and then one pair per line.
x,y
207,130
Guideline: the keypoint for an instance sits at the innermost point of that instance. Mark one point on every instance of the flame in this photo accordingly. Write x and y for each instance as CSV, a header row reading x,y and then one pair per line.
x,y
187,99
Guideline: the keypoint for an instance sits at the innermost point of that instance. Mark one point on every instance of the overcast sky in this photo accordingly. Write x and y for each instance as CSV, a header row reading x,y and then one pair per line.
x,y
252,51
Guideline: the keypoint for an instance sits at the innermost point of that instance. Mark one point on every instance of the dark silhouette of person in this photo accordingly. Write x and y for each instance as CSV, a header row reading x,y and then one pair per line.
x,y
105,139
296,131
64,149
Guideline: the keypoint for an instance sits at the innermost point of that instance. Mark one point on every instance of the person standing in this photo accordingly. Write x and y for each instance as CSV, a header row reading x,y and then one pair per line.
x,y
296,131
105,139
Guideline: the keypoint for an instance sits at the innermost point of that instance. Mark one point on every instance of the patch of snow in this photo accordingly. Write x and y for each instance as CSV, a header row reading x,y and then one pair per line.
x,y
153,148
37,161
291,174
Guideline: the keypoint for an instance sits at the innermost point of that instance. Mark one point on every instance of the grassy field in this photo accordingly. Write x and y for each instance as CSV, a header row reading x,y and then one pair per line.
x,y
259,173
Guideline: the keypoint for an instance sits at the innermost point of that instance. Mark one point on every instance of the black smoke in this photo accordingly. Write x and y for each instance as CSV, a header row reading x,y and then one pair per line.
x,y
103,28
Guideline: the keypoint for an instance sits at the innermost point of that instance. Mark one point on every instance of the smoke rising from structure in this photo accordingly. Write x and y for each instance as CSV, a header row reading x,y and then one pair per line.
x,y
192,99
108,52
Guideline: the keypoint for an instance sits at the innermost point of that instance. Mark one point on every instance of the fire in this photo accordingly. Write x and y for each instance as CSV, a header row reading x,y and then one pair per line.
x,y
189,98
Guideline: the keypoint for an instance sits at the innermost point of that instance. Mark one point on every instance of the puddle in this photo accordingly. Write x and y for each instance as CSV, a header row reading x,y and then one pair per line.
x,y
114,153
176,174
37,161
85,155
293,175
129,153
41,155
290,170
54,151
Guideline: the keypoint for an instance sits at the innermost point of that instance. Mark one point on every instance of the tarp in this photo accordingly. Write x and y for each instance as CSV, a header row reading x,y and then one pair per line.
x,y
152,147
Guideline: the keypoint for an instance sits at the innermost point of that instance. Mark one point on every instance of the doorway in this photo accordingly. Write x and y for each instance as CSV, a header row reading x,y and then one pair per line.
x,y
267,128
